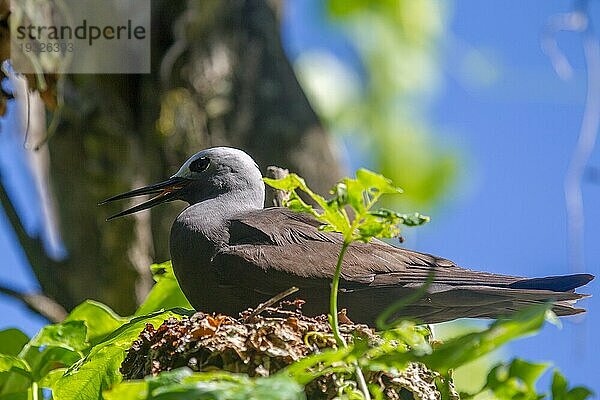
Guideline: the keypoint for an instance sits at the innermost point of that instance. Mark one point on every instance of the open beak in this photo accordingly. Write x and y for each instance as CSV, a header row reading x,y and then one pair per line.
x,y
164,191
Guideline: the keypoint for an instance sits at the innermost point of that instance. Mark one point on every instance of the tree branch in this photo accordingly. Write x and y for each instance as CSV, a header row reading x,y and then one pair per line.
x,y
276,197
32,246
38,303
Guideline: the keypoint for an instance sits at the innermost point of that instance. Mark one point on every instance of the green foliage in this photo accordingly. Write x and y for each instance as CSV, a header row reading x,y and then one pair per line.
x,y
165,294
12,341
561,391
99,320
363,224
515,380
183,384
359,194
463,349
80,358
70,335
382,103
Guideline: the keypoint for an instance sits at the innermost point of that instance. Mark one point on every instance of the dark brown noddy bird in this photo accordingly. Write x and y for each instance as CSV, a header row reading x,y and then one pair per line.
x,y
229,253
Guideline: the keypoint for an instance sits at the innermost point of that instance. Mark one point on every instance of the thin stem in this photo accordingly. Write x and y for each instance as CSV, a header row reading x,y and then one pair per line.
x,y
333,303
335,326
362,382
34,390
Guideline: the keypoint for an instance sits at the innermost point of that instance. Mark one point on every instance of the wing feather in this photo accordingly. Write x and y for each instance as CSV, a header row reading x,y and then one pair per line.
x,y
291,243
273,249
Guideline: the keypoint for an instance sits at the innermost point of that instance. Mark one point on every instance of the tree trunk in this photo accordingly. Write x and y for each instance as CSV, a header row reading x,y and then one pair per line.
x,y
219,77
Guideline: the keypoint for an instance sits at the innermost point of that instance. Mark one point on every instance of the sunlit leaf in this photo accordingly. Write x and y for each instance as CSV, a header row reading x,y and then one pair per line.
x,y
561,391
12,341
463,349
99,319
9,362
380,183
49,380
182,385
52,357
288,183
166,293
460,350
136,390
87,380
69,335
515,380
100,368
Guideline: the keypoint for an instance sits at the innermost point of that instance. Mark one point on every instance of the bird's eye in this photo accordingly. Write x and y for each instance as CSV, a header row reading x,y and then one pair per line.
x,y
199,164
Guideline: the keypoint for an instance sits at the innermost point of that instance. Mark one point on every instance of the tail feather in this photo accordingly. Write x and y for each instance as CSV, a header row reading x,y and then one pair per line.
x,y
491,302
554,283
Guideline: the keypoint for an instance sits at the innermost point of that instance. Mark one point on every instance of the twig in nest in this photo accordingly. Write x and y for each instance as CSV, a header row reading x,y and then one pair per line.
x,y
263,306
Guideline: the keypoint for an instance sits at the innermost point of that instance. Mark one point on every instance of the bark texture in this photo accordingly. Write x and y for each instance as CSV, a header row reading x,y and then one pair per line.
x,y
219,77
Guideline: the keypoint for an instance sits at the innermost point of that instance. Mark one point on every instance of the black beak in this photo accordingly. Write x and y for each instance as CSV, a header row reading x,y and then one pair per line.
x,y
164,191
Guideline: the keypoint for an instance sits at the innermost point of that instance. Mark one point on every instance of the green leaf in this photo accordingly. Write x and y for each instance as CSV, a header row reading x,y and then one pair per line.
x,y
15,376
414,219
87,380
559,385
515,380
136,390
380,183
527,372
51,358
169,378
297,205
181,384
20,395
166,293
8,363
560,389
461,350
51,377
304,370
579,393
99,319
288,183
349,192
69,335
12,341
100,368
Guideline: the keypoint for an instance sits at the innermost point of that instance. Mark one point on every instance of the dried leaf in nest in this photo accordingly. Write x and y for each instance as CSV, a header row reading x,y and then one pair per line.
x,y
262,347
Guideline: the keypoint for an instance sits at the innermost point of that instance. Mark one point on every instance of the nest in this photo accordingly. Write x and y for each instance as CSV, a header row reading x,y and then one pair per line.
x,y
261,346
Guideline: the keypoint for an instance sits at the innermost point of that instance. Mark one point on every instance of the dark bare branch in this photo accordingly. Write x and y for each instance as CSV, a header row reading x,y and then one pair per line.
x,y
38,303
32,246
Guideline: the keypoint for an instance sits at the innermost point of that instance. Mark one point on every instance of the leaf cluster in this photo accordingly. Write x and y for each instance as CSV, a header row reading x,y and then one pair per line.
x,y
81,358
359,195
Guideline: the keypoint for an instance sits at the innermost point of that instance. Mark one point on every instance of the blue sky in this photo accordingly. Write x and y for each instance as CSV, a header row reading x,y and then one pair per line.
x,y
507,213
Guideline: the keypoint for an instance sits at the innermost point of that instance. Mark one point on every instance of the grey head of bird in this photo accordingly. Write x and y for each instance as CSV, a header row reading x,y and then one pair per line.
x,y
225,173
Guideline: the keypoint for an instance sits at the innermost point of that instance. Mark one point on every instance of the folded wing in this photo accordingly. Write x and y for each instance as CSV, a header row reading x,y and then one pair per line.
x,y
273,249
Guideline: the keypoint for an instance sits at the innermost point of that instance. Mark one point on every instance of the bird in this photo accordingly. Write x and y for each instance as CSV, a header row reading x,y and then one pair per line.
x,y
230,253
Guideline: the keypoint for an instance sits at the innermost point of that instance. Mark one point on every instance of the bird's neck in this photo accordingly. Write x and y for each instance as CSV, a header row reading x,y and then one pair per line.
x,y
211,217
